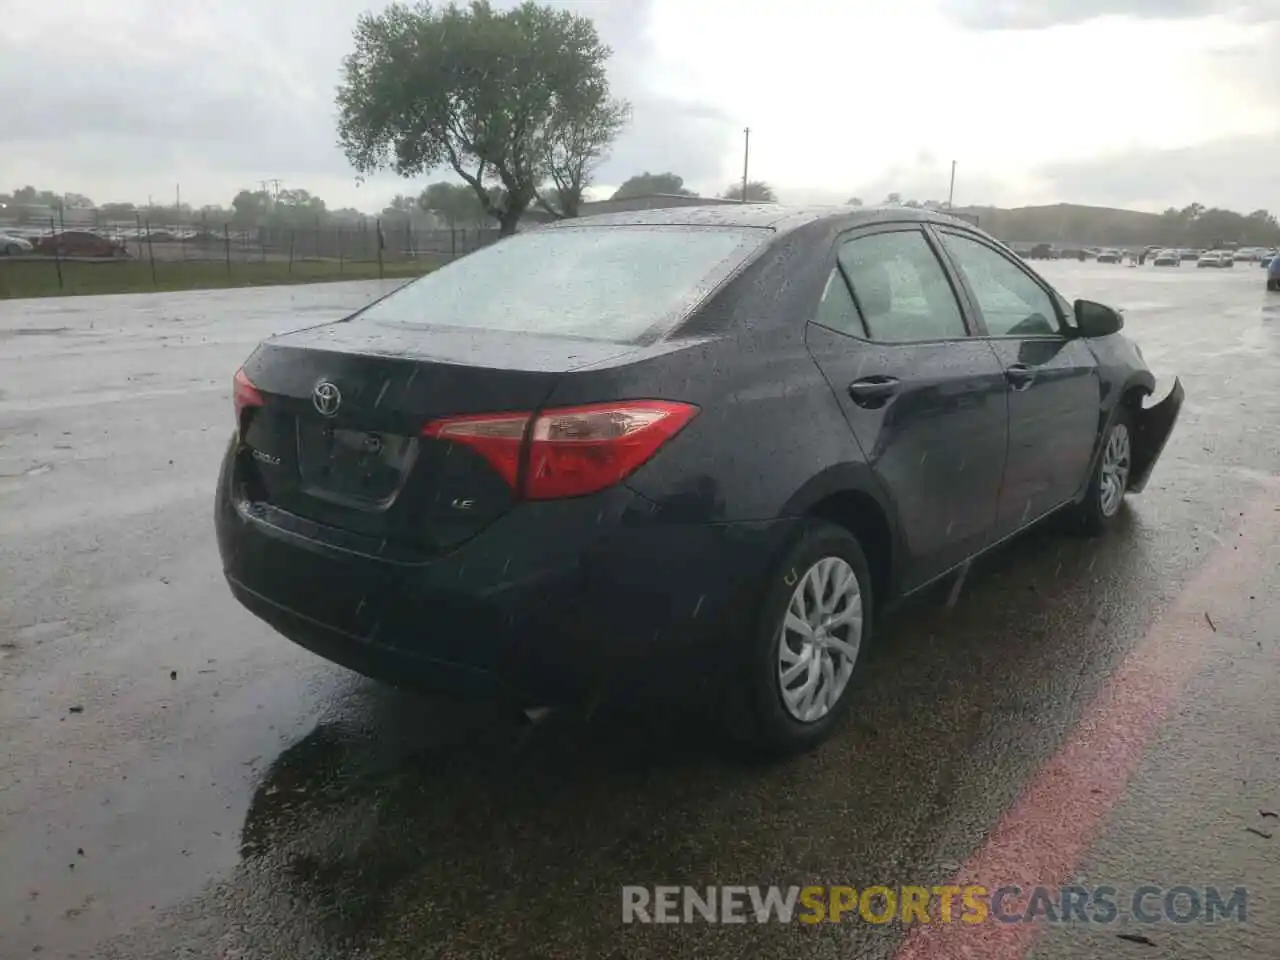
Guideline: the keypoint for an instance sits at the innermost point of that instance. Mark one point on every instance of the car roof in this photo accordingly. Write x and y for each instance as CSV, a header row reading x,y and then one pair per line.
x,y
774,216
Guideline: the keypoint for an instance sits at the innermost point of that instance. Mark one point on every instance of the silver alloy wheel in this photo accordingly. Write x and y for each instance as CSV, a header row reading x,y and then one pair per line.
x,y
1115,470
820,637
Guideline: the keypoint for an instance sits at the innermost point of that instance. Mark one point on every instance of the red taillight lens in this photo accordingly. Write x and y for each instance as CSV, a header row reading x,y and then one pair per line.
x,y
244,394
495,436
572,451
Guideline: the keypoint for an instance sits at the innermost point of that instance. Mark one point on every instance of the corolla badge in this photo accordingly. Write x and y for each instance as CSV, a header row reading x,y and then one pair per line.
x,y
327,398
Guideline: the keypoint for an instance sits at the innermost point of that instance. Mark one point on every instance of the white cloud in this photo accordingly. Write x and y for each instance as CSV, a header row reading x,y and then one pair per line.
x,y
136,96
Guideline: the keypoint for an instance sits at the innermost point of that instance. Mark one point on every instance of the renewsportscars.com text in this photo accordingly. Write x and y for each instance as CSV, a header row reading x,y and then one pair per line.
x,y
972,904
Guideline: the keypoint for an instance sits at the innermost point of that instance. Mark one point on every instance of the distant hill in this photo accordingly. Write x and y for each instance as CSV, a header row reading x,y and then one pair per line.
x,y
1070,223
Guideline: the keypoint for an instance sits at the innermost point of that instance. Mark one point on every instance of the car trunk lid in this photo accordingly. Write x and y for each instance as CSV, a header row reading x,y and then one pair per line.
x,y
338,438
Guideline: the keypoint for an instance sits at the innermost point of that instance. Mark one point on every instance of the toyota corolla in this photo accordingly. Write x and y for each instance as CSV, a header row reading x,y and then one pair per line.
x,y
672,444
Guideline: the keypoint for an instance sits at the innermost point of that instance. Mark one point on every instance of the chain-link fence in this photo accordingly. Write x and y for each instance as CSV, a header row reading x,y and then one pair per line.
x,y
123,257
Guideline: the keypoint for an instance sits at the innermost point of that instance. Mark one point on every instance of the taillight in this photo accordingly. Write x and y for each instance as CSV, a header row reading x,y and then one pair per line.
x,y
244,394
496,437
568,451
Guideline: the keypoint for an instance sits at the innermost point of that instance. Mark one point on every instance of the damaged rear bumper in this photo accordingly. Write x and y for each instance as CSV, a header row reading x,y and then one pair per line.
x,y
1151,429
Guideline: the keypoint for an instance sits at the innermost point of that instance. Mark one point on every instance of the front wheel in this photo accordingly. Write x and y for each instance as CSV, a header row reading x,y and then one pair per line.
x,y
1110,480
813,622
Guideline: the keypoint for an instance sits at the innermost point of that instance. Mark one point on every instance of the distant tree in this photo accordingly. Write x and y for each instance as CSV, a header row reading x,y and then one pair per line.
x,y
401,207
30,196
854,202
296,208
581,130
250,207
650,184
757,192
484,92
893,200
455,203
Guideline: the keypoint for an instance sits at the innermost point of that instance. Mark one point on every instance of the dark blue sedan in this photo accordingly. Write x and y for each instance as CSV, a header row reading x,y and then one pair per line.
x,y
701,445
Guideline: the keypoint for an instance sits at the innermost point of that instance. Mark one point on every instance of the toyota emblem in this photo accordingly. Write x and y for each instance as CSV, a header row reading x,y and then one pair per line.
x,y
327,398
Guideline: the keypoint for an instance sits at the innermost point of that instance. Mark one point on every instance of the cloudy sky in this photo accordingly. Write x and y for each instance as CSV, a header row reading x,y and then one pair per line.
x,y
1142,103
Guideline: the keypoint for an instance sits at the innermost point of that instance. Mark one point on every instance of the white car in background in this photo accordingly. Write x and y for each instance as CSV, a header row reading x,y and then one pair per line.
x,y
12,245
1216,259
1167,258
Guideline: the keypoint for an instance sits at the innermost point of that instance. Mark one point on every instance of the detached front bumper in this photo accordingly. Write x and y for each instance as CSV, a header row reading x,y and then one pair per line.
x,y
1151,429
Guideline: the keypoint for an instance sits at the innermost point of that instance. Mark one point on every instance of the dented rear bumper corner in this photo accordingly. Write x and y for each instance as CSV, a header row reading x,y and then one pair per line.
x,y
1151,429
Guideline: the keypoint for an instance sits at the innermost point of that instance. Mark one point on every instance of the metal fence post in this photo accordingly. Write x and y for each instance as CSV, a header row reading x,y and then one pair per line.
x,y
151,255
379,225
57,251
226,244
292,238
340,262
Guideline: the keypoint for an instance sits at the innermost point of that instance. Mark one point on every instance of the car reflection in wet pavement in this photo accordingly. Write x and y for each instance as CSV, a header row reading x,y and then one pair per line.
x,y
260,803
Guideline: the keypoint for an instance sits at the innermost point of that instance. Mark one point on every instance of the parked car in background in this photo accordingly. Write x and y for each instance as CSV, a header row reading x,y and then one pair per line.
x,y
1110,256
1273,273
1215,259
493,480
80,243
1042,251
1189,254
13,245
1167,258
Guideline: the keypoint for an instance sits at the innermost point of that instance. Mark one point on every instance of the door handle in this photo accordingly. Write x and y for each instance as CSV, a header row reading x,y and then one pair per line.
x,y
1019,375
873,391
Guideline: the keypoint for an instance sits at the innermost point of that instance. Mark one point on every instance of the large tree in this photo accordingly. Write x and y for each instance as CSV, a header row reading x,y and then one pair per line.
x,y
650,184
757,192
484,92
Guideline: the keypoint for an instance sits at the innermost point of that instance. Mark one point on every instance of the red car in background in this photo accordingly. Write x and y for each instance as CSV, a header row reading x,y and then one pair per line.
x,y
80,243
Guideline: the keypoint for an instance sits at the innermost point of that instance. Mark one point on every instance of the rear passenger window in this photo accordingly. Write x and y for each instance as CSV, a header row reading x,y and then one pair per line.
x,y
836,310
901,288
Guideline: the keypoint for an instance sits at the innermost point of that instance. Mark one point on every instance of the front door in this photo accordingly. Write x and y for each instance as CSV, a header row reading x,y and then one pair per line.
x,y
925,400
1053,382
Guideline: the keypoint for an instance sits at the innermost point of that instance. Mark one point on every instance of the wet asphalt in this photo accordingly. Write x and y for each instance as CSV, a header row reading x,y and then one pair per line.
x,y
178,781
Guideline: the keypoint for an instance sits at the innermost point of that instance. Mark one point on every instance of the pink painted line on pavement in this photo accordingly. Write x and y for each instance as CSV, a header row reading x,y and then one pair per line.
x,y
1041,839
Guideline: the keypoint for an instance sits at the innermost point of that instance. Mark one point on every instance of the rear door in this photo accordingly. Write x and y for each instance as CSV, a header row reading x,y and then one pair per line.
x,y
924,398
1054,388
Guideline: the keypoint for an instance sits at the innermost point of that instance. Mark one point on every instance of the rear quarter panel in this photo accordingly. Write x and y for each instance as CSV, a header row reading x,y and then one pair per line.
x,y
769,427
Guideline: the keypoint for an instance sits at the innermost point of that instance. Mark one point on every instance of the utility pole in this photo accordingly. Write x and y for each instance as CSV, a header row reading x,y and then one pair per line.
x,y
746,157
951,191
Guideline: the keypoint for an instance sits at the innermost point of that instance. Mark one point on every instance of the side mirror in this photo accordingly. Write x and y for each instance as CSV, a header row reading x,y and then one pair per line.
x,y
1097,319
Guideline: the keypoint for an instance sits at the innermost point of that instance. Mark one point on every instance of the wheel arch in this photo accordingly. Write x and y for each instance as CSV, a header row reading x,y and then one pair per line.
x,y
849,496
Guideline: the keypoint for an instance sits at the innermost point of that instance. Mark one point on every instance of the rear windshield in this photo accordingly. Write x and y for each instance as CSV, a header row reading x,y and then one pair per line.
x,y
623,284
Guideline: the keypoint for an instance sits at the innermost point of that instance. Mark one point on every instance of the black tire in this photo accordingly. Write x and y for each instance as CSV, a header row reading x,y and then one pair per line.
x,y
12,250
1092,513
1273,285
759,719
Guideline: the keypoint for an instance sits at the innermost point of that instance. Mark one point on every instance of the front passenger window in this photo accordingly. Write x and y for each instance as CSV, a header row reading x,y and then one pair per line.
x,y
1012,304
901,288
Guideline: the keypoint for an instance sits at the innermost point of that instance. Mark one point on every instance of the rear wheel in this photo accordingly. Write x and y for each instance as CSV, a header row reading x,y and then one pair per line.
x,y
1110,479
12,250
1273,285
813,622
